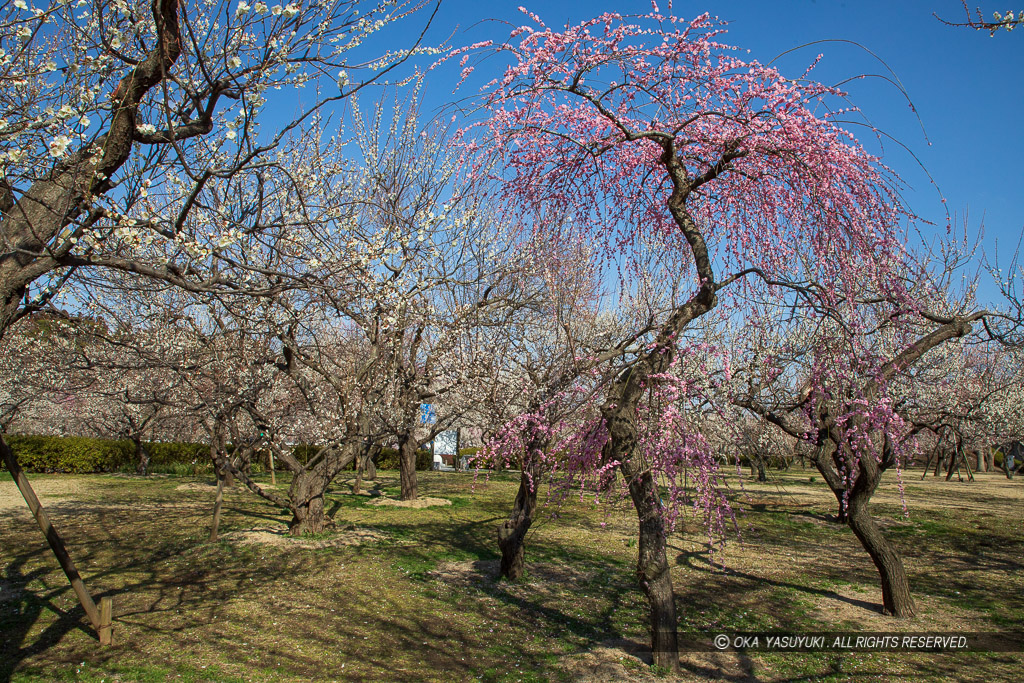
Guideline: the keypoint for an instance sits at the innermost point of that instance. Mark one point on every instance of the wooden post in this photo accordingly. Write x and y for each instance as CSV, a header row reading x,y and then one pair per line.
x,y
57,545
106,631
273,477
215,527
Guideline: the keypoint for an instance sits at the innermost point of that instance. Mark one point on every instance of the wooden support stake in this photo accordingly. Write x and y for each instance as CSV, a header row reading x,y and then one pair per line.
x,y
273,477
215,527
57,545
106,631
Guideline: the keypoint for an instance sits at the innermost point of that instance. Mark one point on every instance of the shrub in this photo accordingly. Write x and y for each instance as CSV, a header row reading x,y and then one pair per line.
x,y
81,455
71,454
387,459
165,454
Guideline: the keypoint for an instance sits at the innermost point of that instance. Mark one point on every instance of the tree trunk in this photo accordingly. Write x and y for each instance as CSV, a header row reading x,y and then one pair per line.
x,y
896,598
224,475
407,466
652,567
762,475
216,449
822,460
954,460
653,570
307,497
842,511
830,460
512,532
141,457
365,466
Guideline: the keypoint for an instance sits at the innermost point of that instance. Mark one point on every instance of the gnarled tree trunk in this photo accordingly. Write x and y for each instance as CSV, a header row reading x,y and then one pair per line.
x,y
309,486
652,568
307,498
512,532
896,598
365,466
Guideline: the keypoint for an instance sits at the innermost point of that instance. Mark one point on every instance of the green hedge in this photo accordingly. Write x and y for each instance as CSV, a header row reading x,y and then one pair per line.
x,y
166,454
387,459
71,454
81,455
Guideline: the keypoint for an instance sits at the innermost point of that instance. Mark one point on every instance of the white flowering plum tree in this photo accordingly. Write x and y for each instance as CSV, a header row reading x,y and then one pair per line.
x,y
117,119
649,128
413,265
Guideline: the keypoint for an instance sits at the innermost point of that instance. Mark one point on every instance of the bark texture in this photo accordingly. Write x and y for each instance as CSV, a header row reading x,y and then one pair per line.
x,y
407,466
512,532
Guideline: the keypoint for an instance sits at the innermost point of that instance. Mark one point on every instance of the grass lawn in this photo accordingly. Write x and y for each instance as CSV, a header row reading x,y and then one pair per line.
x,y
398,594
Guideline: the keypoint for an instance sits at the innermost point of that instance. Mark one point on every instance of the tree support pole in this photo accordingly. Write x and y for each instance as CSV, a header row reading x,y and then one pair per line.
x,y
100,618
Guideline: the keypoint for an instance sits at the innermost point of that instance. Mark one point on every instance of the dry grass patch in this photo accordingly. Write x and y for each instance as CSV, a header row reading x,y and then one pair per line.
x,y
276,536
417,503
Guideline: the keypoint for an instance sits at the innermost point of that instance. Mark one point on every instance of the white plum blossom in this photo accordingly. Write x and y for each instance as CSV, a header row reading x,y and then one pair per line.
x,y
260,7
291,10
242,9
275,10
59,145
234,62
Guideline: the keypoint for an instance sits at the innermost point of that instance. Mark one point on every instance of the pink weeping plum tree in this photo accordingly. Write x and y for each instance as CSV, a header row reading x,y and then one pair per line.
x,y
648,130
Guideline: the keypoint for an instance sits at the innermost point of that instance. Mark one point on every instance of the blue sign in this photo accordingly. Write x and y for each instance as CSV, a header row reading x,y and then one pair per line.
x,y
427,414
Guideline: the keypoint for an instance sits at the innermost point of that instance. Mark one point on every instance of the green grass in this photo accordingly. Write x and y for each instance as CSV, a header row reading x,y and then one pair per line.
x,y
420,602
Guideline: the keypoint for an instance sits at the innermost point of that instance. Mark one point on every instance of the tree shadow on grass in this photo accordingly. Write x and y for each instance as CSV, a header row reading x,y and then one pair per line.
x,y
21,608
700,560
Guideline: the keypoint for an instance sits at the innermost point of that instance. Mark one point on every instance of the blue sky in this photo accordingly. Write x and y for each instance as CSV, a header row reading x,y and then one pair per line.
x,y
967,87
